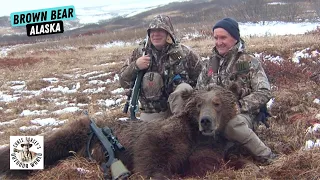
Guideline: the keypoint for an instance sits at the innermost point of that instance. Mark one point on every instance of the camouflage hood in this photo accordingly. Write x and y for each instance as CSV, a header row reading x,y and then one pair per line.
x,y
162,22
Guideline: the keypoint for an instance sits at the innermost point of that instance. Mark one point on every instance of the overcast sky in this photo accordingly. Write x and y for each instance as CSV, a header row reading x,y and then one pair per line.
x,y
25,5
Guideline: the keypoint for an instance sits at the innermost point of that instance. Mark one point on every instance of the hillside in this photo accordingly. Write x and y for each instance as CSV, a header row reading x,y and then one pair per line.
x,y
46,86
199,13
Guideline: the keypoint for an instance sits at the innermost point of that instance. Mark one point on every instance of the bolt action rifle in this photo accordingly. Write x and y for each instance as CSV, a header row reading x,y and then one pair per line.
x,y
110,145
132,100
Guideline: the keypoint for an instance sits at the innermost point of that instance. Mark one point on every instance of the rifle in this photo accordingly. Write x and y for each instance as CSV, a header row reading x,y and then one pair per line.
x,y
135,90
110,145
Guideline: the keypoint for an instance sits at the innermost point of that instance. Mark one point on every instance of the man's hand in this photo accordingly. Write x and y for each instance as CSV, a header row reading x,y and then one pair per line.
x,y
238,90
143,62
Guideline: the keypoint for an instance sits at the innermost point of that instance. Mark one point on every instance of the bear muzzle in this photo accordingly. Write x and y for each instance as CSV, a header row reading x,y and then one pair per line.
x,y
206,126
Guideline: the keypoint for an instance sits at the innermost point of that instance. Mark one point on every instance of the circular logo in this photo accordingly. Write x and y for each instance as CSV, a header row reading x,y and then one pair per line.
x,y
26,153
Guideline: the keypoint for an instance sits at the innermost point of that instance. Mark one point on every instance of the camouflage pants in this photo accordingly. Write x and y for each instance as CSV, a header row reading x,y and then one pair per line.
x,y
239,129
175,102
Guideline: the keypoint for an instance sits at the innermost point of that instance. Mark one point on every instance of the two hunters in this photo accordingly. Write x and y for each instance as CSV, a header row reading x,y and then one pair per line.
x,y
168,68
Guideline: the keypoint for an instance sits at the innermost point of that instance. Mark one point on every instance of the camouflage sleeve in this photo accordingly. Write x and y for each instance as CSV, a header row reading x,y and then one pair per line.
x,y
203,79
260,85
129,70
194,67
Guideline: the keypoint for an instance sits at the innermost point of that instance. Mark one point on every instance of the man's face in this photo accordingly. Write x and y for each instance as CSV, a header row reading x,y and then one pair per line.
x,y
158,37
223,40
25,148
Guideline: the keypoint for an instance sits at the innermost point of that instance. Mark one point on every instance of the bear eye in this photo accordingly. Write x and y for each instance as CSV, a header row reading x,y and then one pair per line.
x,y
215,104
198,105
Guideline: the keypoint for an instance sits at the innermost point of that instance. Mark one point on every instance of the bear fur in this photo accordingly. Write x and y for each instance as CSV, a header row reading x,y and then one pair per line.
x,y
187,144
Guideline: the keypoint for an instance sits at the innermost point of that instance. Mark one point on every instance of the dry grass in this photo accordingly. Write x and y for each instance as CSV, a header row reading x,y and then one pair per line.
x,y
73,168
283,45
293,110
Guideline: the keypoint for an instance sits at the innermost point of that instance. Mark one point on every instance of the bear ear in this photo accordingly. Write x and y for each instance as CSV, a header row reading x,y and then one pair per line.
x,y
190,98
186,94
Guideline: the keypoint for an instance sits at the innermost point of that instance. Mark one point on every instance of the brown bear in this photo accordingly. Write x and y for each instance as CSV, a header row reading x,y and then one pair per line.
x,y
185,144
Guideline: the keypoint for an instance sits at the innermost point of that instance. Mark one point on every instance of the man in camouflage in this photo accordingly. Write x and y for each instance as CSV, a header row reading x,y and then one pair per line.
x,y
231,67
170,68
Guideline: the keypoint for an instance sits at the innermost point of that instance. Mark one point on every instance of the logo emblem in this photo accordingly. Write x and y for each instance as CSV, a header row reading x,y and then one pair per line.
x,y
26,152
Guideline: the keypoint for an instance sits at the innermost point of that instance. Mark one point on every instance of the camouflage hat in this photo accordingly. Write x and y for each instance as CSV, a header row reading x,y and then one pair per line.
x,y
162,22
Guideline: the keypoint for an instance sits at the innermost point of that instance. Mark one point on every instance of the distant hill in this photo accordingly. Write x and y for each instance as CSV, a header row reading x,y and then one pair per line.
x,y
5,21
194,13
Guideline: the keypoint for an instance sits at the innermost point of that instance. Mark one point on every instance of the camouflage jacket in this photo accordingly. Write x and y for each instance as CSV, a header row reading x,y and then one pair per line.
x,y
175,59
239,72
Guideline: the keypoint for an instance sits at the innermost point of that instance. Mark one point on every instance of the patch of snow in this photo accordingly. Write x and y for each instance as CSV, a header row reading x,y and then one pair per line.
x,y
95,90
67,110
33,113
117,91
12,122
47,122
27,128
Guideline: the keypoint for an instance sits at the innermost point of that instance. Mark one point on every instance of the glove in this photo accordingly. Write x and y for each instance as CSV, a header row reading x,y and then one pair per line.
x,y
263,116
239,91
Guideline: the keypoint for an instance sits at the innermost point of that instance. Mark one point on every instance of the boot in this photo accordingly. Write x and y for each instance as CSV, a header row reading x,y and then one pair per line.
x,y
266,160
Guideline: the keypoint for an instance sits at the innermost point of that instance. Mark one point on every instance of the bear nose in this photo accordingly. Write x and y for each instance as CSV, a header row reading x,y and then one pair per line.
x,y
206,122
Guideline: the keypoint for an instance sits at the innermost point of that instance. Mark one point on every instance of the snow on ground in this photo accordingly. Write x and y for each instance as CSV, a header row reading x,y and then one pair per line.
x,y
114,44
246,29
267,28
46,117
314,132
276,28
19,92
113,9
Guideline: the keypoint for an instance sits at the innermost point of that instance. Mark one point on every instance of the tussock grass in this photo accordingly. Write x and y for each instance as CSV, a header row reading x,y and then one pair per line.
x,y
283,45
293,110
37,84
73,168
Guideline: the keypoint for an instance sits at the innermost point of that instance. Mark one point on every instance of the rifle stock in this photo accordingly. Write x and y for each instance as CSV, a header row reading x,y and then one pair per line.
x,y
126,106
135,95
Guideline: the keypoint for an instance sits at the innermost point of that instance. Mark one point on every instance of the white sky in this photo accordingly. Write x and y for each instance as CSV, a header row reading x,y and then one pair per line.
x,y
25,5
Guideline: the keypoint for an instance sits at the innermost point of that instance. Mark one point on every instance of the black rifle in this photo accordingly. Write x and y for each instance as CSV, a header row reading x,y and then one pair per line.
x,y
110,145
135,90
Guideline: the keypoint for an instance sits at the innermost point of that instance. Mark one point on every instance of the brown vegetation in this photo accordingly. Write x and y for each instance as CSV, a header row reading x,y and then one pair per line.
x,y
294,89
17,62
